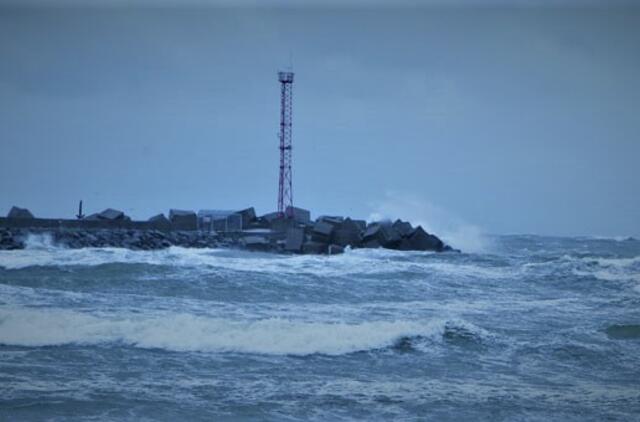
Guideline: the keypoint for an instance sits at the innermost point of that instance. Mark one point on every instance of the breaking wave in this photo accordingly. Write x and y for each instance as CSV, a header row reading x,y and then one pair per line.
x,y
604,262
607,269
42,253
186,332
39,241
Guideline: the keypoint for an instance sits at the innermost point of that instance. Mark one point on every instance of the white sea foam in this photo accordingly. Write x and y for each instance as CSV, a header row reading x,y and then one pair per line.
x,y
604,262
39,241
186,332
612,238
618,262
359,261
607,269
451,229
609,275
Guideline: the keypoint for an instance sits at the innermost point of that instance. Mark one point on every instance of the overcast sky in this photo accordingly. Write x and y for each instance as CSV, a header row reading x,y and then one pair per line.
x,y
515,117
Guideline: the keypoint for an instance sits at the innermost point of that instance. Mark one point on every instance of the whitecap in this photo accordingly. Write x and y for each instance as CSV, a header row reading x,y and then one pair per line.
x,y
359,261
187,332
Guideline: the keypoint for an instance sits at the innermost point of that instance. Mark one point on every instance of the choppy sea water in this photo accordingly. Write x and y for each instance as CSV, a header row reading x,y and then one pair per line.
x,y
534,328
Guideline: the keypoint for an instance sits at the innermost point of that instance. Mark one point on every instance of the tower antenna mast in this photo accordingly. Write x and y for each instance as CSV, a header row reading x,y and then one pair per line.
x,y
285,185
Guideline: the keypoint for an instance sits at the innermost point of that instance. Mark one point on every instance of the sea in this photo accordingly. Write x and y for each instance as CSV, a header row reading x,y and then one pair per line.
x,y
529,329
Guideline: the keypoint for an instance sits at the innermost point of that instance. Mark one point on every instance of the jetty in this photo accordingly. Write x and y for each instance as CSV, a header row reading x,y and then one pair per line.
x,y
291,232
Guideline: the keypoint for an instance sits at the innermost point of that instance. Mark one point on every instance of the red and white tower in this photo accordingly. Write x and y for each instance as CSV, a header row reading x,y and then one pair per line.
x,y
285,185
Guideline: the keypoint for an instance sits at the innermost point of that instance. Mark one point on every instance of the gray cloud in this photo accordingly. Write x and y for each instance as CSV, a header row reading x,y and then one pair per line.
x,y
515,120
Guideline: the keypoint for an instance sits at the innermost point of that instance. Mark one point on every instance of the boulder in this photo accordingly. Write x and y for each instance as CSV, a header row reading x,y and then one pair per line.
x,y
294,240
17,212
183,220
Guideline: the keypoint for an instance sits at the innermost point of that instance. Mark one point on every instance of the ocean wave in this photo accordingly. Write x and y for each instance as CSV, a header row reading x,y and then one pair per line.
x,y
606,269
186,332
610,238
359,261
604,262
609,275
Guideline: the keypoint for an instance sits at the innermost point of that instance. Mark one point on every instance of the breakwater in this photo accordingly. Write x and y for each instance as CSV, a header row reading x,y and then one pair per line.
x,y
293,232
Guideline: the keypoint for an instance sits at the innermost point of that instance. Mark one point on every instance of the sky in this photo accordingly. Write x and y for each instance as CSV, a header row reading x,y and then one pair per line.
x,y
508,117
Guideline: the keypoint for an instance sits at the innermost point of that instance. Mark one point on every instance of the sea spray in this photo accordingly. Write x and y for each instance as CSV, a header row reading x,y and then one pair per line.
x,y
453,230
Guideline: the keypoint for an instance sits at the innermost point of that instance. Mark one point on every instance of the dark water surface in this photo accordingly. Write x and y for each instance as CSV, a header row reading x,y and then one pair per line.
x,y
535,329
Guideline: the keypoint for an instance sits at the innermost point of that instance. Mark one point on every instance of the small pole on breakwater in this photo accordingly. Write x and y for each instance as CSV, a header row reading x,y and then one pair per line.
x,y
80,215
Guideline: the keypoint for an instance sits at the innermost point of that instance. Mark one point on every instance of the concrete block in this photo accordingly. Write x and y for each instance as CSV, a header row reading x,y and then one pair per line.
x,y
160,222
183,220
361,224
248,216
335,249
257,243
420,240
314,248
371,244
283,224
111,215
374,231
219,225
321,232
230,223
371,231
347,233
323,228
393,237
223,220
333,220
234,222
271,216
404,245
300,215
382,233
17,212
257,224
403,228
294,240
